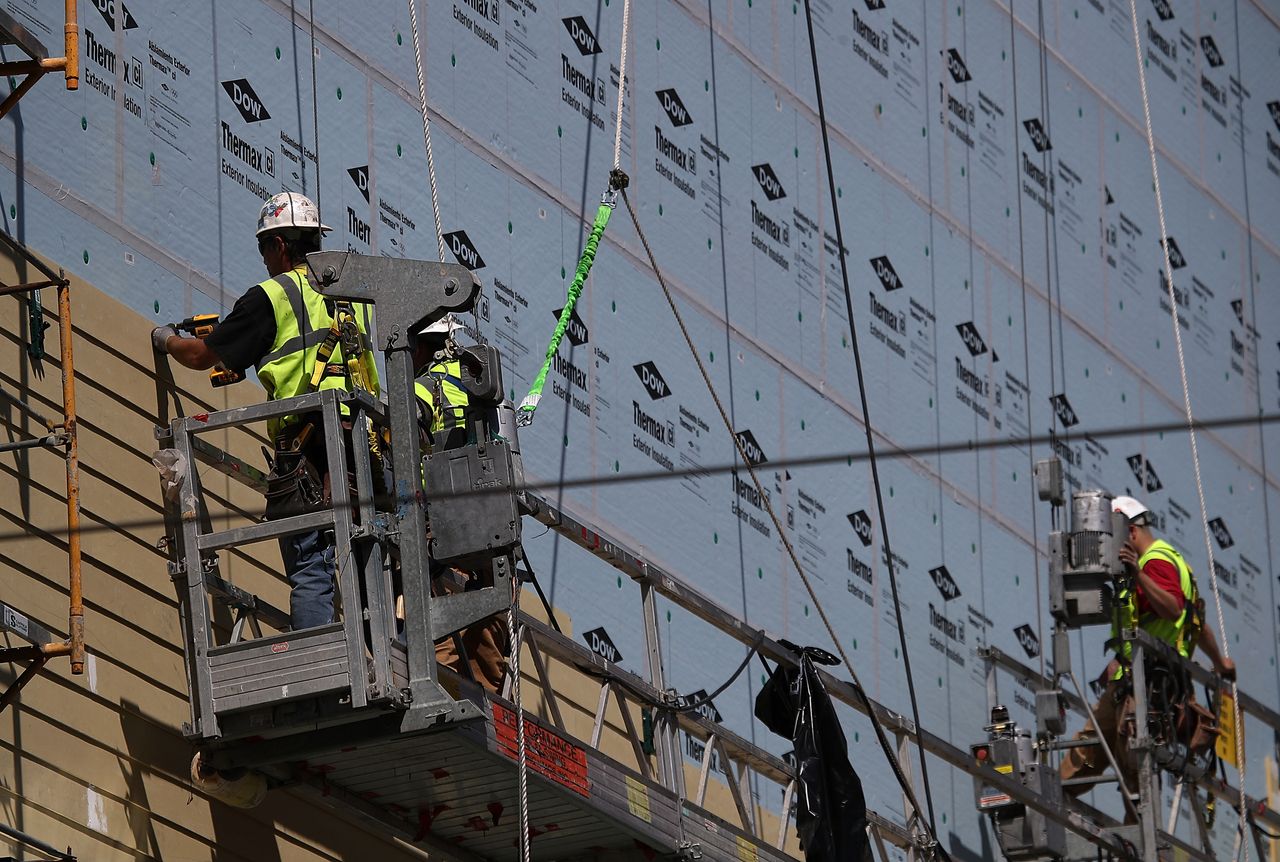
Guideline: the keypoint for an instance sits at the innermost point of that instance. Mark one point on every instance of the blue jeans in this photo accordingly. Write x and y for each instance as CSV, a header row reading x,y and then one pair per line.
x,y
308,563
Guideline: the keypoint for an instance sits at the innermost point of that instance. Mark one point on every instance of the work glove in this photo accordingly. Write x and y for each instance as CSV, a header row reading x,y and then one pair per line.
x,y
160,337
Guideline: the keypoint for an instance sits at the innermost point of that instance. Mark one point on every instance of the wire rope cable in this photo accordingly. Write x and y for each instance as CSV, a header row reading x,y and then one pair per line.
x,y
1191,430
871,451
315,102
1026,346
622,84
522,755
426,124
1253,277
1052,278
907,789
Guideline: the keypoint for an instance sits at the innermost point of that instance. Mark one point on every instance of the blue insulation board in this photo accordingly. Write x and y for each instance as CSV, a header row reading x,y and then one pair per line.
x,y
1004,258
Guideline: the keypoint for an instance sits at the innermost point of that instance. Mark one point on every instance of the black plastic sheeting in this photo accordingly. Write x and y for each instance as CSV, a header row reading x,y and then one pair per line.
x,y
831,812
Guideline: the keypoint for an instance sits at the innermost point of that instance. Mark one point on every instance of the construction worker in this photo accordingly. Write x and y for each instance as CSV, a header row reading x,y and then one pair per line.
x,y
279,326
442,403
1163,601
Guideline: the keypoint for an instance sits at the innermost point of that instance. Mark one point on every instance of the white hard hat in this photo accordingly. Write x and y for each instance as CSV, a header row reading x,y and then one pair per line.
x,y
1131,509
290,210
446,325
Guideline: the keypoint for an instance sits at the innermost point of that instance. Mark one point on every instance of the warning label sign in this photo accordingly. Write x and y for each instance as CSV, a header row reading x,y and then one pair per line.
x,y
549,755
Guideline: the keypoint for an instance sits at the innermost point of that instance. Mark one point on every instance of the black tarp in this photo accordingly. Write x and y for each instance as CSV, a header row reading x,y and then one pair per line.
x,y
831,813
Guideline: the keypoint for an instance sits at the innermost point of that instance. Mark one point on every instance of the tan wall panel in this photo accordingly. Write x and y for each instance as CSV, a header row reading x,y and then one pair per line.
x,y
116,757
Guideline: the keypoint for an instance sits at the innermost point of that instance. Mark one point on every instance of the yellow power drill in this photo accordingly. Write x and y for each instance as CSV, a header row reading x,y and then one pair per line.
x,y
200,325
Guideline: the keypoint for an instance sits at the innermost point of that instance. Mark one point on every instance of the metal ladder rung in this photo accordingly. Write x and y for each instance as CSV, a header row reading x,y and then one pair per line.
x,y
266,530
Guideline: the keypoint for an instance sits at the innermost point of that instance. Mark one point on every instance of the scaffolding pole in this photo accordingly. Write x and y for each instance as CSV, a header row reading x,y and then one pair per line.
x,y
43,644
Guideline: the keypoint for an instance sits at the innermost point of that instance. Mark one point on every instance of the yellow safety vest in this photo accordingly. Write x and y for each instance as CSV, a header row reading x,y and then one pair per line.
x,y
1172,632
302,322
445,378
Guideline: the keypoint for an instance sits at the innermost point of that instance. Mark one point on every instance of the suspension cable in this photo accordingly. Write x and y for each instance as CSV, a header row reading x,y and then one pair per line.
x,y
426,124
907,790
1191,429
1253,315
866,422
622,84
522,757
1026,350
315,105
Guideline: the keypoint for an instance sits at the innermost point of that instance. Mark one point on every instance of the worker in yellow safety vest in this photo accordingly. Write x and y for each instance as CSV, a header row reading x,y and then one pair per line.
x,y
295,338
1163,601
442,405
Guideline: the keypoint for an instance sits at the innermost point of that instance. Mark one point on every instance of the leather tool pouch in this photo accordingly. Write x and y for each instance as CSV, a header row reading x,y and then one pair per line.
x,y
295,485
1197,728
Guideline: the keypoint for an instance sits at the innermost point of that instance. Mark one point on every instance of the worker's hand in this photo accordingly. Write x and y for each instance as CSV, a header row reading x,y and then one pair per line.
x,y
160,337
1129,555
1226,669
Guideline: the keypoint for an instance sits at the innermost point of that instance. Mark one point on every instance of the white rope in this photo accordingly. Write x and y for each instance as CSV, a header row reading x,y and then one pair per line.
x,y
622,84
426,124
517,634
1191,430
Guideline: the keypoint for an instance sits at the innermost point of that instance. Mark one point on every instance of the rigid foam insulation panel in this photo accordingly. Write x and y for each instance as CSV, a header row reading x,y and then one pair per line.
x,y
1004,255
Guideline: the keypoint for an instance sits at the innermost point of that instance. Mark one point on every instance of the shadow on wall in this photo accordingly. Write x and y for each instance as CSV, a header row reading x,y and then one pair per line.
x,y
235,834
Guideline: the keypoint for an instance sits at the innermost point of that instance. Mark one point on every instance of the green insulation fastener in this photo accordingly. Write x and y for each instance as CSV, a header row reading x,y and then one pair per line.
x,y
609,200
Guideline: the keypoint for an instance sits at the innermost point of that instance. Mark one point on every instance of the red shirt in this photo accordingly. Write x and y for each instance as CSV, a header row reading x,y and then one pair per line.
x,y
1165,574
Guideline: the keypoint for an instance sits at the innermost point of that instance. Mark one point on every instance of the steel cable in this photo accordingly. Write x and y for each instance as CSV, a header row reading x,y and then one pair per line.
x,y
907,790
426,124
866,423
1186,400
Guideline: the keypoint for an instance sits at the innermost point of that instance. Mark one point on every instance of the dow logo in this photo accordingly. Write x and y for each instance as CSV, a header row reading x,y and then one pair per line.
x,y
581,34
955,65
602,645
577,330
861,523
945,583
1176,260
1211,52
360,176
1062,408
1027,637
972,340
1144,473
1221,534
886,273
1274,108
1163,9
246,100
464,251
768,181
755,455
107,9
674,108
652,380
706,708
1039,137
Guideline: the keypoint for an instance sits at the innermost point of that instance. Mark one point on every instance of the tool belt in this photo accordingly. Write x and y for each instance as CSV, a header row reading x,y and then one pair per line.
x,y
298,483
1174,714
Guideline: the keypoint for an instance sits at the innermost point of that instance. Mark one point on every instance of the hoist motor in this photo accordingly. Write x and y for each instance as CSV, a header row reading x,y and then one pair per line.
x,y
1023,833
472,504
1085,562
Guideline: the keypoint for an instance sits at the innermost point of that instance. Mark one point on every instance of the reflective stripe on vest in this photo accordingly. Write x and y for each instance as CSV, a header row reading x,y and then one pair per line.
x,y
302,320
447,378
1168,631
